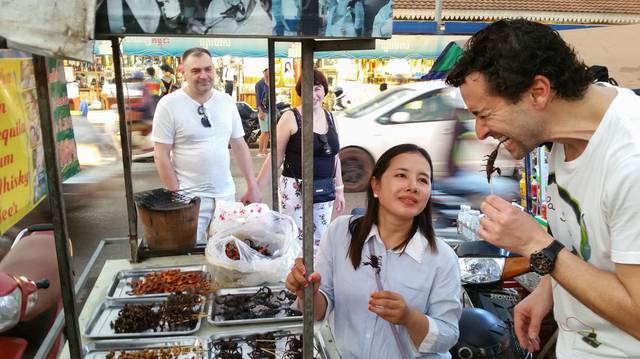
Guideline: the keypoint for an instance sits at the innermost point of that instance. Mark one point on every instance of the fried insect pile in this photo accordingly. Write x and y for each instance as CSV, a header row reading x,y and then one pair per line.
x,y
231,249
164,353
491,160
262,304
272,345
171,281
179,311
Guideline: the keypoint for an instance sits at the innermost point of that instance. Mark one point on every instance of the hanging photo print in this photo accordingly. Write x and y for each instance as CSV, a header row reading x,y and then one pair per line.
x,y
255,18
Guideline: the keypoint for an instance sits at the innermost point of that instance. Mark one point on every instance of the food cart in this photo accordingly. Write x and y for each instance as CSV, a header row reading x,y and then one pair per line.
x,y
87,333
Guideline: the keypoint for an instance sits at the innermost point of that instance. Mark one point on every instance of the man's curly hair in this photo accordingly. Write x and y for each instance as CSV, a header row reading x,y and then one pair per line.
x,y
511,52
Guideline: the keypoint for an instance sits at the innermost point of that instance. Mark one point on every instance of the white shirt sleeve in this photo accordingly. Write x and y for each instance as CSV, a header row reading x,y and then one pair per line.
x,y
622,211
237,130
163,130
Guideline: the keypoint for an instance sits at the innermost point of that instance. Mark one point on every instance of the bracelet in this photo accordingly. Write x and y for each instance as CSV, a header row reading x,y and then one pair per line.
x,y
340,187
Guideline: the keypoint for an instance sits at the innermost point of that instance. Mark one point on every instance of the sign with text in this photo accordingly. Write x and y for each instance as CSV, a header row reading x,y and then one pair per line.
x,y
23,178
248,18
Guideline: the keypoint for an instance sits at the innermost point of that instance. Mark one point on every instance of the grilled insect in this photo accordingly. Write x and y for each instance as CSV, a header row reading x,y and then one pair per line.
x,y
374,262
491,159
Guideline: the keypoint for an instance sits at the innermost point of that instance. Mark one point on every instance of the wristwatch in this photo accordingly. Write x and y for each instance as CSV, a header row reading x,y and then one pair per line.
x,y
542,261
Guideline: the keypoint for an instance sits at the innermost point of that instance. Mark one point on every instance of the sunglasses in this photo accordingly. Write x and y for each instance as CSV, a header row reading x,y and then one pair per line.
x,y
204,120
324,142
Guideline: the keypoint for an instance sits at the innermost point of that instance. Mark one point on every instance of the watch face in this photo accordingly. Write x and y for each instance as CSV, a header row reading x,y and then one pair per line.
x,y
541,263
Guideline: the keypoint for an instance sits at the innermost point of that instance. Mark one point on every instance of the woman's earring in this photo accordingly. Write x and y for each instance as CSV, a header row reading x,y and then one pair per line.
x,y
375,195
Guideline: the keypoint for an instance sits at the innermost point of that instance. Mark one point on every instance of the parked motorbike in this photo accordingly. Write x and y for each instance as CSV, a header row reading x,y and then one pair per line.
x,y
29,293
489,295
249,117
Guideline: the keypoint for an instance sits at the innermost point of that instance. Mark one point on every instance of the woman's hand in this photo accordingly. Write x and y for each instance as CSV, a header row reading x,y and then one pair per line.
x,y
297,279
339,202
390,306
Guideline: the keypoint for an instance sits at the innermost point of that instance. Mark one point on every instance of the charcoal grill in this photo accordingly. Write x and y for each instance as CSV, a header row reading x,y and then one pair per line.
x,y
170,218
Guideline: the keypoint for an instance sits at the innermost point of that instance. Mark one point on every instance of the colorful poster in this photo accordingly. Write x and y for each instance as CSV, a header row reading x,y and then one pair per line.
x,y
255,18
62,125
23,178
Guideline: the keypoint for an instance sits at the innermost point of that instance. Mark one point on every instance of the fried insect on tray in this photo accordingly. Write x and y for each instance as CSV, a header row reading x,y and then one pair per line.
x,y
226,349
169,281
179,311
262,304
270,345
491,160
136,318
162,353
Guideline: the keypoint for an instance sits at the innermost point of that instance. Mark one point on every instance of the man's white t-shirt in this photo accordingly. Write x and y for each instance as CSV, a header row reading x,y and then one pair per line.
x,y
594,210
200,155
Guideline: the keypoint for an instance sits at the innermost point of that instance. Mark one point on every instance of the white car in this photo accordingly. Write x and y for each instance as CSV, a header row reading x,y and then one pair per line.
x,y
429,114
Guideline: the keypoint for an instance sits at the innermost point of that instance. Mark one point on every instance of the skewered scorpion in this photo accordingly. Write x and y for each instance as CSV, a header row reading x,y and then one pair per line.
x,y
491,159
374,262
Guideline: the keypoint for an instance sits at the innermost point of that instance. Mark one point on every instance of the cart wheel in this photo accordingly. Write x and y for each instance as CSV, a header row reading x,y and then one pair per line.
x,y
357,166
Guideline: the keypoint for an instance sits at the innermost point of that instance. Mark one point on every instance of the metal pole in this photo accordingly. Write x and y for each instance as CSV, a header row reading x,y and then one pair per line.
x,y
126,153
56,202
307,189
527,181
438,16
275,203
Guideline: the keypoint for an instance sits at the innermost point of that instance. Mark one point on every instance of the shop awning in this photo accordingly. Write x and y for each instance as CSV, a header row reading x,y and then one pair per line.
x,y
398,47
46,27
175,46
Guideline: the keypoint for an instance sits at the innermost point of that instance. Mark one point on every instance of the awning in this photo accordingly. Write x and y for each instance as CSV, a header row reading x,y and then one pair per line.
x,y
176,46
398,47
56,28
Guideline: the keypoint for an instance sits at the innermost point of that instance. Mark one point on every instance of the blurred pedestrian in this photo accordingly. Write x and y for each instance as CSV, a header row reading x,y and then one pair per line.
x,y
262,103
168,79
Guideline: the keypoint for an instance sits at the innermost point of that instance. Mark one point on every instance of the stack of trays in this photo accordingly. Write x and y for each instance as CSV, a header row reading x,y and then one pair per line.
x,y
142,303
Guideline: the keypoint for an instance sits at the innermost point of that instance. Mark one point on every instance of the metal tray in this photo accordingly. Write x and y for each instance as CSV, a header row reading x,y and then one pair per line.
x,y
99,327
220,321
100,349
319,352
121,286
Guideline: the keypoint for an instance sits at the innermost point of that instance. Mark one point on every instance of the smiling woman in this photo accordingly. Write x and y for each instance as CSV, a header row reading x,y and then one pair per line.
x,y
395,238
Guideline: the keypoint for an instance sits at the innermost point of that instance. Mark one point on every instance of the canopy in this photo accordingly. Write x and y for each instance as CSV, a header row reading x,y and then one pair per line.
x,y
398,47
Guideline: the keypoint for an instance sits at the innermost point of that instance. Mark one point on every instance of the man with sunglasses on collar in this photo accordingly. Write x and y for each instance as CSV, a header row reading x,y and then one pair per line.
x,y
192,129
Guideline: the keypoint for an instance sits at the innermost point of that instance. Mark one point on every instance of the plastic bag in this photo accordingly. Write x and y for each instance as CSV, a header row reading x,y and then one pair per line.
x,y
231,214
270,230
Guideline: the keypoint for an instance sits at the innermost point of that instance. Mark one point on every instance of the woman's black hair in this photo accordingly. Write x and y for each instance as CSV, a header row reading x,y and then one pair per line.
x,y
359,228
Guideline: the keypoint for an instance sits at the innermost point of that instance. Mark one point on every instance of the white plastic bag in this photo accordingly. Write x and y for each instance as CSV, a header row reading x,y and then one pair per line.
x,y
231,214
275,231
